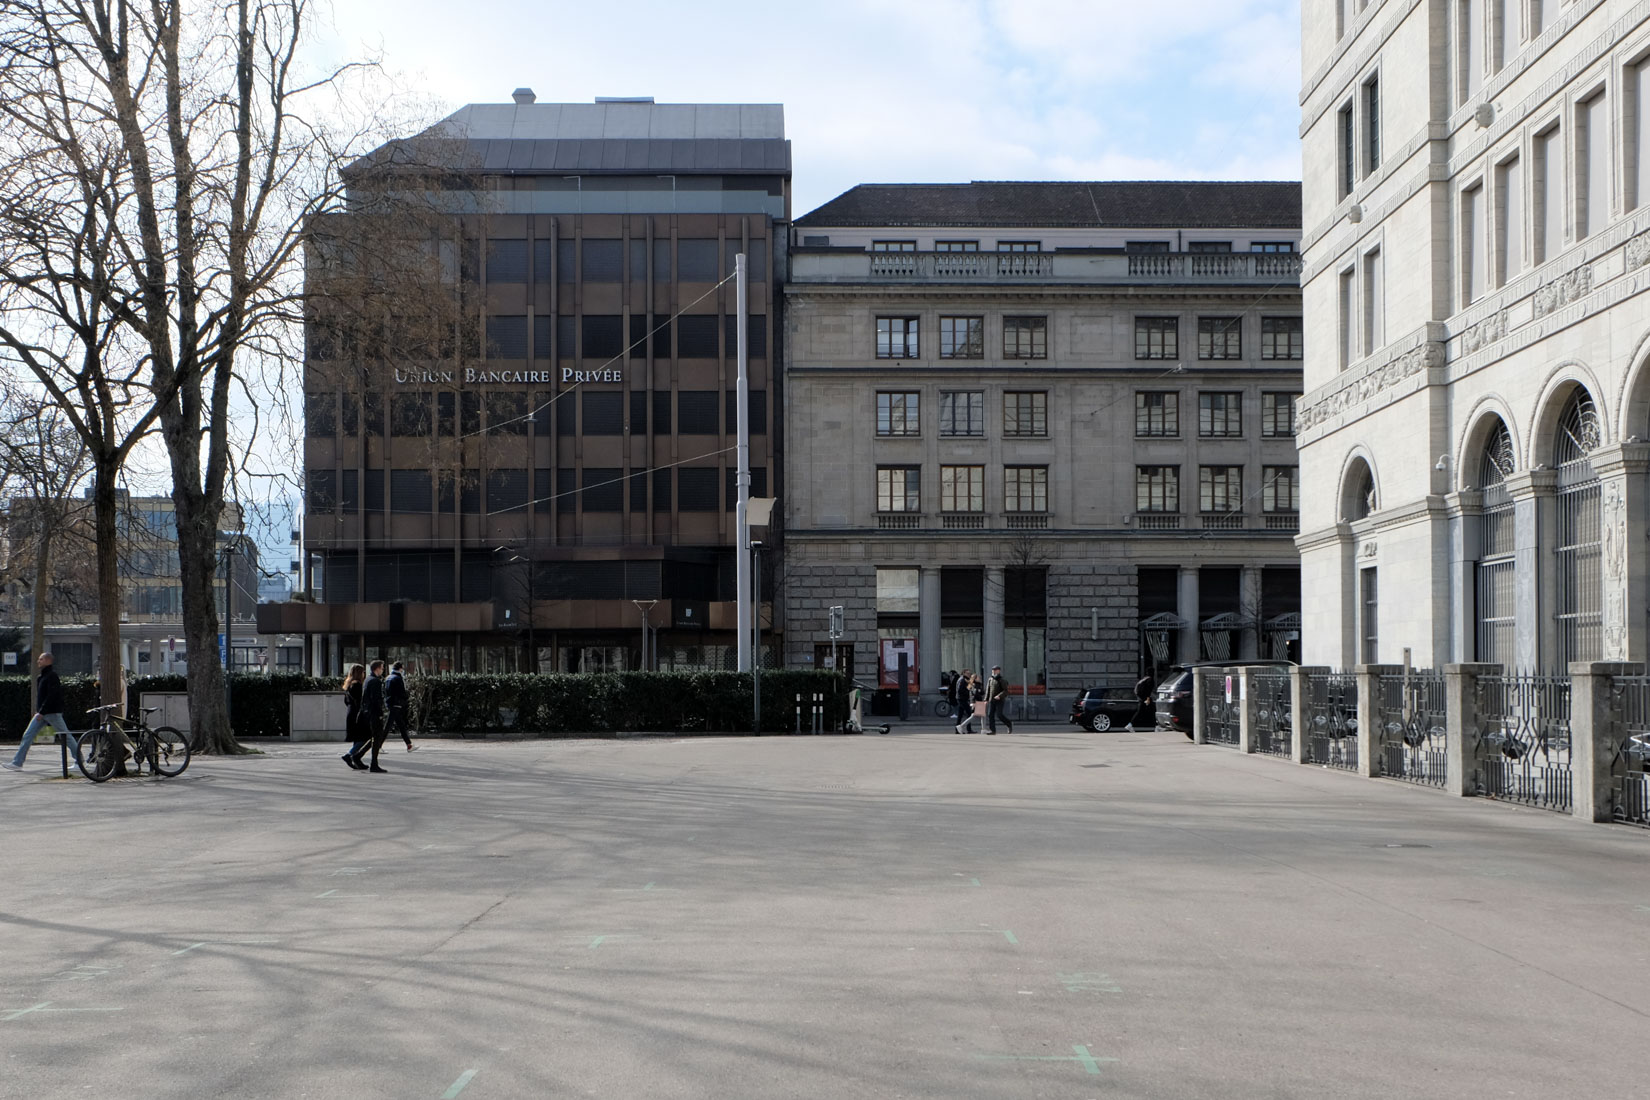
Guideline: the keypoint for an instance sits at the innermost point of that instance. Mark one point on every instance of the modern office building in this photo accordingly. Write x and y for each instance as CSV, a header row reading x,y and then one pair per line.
x,y
1474,429
559,471
1046,425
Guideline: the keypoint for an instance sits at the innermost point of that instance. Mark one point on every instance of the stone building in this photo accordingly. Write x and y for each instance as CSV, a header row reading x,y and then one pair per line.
x,y
1046,425
1473,432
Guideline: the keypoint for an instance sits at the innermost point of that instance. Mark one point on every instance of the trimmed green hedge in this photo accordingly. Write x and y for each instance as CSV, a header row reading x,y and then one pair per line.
x,y
615,702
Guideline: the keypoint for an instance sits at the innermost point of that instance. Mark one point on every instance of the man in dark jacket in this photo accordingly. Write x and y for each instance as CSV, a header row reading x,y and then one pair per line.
x,y
996,694
373,724
395,699
48,712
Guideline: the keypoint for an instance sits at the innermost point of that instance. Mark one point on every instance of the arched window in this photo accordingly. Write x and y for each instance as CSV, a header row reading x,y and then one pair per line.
x,y
1579,601
1496,588
1359,500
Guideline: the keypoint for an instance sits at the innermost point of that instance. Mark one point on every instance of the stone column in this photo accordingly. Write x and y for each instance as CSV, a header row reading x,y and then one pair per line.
x,y
1595,736
1369,715
928,628
992,642
1466,521
1200,710
1625,560
1532,492
1246,709
1187,609
1249,607
1461,725
1300,724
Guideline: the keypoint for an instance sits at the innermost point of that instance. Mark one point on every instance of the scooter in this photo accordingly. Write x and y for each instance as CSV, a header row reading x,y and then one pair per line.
x,y
856,717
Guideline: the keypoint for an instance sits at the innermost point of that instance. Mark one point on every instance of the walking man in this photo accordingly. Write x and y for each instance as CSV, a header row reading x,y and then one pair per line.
x,y
996,694
395,699
48,712
372,721
1145,714
963,698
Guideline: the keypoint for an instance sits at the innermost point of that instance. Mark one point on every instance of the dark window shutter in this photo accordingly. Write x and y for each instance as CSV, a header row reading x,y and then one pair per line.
x,y
567,411
541,261
469,492
543,327
350,498
603,489
410,492
638,491
506,491
696,337
698,487
696,412
507,337
696,260
603,336
567,334
661,490
638,412
603,261
661,412
564,261
507,261
603,413
544,490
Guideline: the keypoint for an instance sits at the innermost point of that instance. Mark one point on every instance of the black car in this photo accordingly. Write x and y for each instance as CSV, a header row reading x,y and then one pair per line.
x,y
1174,691
1101,708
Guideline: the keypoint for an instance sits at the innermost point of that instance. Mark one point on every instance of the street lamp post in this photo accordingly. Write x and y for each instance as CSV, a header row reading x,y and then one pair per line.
x,y
645,607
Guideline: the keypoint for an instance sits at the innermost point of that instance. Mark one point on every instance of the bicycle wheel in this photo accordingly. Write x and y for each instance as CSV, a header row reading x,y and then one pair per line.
x,y
96,756
171,750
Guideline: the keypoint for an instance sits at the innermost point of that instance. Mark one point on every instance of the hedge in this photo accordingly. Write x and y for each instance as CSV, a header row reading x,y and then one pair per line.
x,y
602,703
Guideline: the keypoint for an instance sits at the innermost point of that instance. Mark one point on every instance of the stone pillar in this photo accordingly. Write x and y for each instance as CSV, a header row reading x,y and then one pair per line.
x,y
1595,736
928,628
1300,724
1249,608
992,642
1200,710
1532,492
1461,725
1369,715
1625,560
1187,608
1246,709
1466,519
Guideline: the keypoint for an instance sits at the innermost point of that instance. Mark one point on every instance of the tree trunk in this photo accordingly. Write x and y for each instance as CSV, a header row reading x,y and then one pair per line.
x,y
209,724
105,505
37,623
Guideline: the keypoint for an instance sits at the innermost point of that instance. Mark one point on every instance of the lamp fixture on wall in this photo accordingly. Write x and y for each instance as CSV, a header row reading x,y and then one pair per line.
x,y
1442,464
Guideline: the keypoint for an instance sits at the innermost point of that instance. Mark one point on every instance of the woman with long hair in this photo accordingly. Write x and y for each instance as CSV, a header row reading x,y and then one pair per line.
x,y
355,731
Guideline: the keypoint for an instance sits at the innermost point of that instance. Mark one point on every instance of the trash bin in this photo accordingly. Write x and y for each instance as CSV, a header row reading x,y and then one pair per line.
x,y
885,702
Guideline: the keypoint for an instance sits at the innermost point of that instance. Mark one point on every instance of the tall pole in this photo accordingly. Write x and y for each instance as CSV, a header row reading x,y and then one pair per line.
x,y
756,662
742,479
228,631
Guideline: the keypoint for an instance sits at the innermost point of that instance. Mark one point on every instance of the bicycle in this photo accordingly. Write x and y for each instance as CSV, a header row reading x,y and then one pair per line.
x,y
100,752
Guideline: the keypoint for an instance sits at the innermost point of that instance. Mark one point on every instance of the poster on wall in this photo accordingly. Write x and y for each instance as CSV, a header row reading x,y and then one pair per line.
x,y
889,655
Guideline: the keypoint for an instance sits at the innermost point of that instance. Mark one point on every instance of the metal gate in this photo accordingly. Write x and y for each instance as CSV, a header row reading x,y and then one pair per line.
x,y
1274,718
1332,719
1523,750
1629,780
1414,731
1220,718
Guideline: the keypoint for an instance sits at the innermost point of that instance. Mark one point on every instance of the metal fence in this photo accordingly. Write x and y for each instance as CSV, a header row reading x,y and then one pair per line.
x,y
1332,719
1220,717
1413,728
1274,717
1629,781
1523,750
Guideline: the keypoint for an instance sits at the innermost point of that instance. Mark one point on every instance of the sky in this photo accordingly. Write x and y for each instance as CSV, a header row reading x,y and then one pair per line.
x,y
880,91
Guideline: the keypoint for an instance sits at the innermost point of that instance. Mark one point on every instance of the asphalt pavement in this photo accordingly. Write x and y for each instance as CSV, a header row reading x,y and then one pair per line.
x,y
1045,914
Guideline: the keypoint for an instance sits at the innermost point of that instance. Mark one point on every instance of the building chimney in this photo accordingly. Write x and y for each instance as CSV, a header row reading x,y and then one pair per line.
x,y
523,95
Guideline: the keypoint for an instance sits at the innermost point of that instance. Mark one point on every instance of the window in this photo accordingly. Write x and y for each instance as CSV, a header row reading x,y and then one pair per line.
x,y
1505,14
756,412
1019,246
1287,247
696,337
1146,247
1348,149
544,490
893,246
1220,338
1281,338
1280,489
323,490
1157,488
956,246
1374,306
697,489
1548,191
896,338
1592,166
372,414
756,336
506,412
1277,415
446,413
506,491
1469,35
1156,414
469,492
897,414
1371,618
1219,415
1347,304
603,412
649,336
603,336
661,412
1025,488
696,413
1509,221
756,259
1025,413
320,415
603,261
1220,489
1372,124
507,337
1638,136
899,488
962,488
1472,244
696,260
1025,337
961,338
602,489
566,408
1207,248
1157,338
507,261
962,412
661,490
638,491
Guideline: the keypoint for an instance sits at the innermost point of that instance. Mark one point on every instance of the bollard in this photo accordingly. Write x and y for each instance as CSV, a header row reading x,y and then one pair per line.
x,y
1246,712
799,712
1199,706
819,713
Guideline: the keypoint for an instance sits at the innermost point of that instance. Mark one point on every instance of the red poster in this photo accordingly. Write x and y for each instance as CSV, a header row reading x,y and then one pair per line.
x,y
888,660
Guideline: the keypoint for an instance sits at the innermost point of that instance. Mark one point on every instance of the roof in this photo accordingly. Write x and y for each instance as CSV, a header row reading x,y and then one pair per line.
x,y
1143,203
620,121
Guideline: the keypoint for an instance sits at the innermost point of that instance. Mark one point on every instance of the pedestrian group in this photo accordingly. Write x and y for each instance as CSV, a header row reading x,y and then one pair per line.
x,y
374,706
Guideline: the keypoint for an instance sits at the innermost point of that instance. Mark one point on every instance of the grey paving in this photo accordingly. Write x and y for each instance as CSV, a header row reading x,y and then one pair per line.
x,y
1052,914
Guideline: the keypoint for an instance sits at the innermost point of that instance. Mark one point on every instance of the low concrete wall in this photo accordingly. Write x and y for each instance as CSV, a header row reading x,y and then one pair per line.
x,y
174,708
316,716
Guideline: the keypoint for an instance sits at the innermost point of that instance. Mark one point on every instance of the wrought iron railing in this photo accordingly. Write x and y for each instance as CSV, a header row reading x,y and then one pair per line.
x,y
1413,730
1220,718
1274,712
1332,719
1629,777
1523,749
